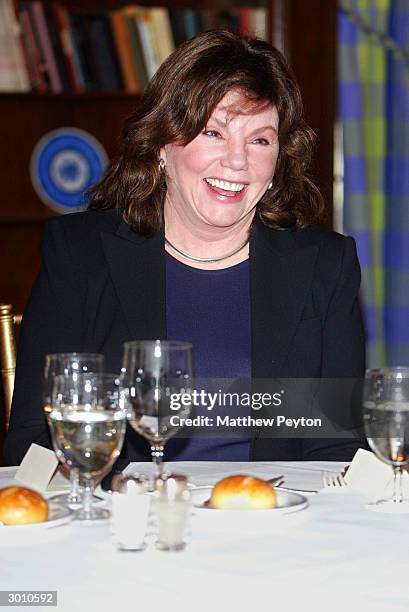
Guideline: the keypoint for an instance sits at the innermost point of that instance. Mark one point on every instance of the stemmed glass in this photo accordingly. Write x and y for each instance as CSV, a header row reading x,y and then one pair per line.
x,y
386,421
153,372
88,424
68,365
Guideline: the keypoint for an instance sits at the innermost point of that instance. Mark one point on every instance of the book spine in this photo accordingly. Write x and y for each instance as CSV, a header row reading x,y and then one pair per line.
x,y
210,19
58,52
192,22
136,47
37,12
124,51
81,49
259,22
153,35
146,43
245,20
177,24
14,74
164,37
63,24
32,55
104,58
229,20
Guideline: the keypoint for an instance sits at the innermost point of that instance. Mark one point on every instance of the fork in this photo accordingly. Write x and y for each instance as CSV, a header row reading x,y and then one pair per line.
x,y
331,479
278,482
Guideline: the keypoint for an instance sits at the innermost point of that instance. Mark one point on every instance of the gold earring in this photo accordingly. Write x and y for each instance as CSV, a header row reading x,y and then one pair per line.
x,y
162,163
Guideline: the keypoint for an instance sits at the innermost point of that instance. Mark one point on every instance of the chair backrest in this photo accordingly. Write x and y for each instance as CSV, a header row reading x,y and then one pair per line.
x,y
7,355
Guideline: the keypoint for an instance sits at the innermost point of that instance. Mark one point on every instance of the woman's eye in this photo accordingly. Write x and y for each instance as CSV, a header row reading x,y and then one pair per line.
x,y
262,141
212,133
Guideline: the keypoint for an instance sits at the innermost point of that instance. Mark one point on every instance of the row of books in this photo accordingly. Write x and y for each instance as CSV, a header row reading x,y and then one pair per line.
x,y
47,47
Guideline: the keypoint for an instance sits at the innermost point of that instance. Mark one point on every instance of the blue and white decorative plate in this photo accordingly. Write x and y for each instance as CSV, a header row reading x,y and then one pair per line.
x,y
64,164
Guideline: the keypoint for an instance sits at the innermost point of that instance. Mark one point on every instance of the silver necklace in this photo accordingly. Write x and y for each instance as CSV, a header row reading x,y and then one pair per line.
x,y
205,259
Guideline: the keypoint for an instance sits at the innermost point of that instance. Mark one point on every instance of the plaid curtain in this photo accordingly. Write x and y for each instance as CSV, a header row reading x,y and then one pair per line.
x,y
373,106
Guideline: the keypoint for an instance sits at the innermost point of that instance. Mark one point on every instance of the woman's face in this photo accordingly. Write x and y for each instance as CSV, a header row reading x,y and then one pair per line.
x,y
217,179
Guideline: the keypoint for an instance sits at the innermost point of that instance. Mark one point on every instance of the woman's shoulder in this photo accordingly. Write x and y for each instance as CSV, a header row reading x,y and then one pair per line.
x,y
79,235
321,236
328,242
88,221
332,246
334,250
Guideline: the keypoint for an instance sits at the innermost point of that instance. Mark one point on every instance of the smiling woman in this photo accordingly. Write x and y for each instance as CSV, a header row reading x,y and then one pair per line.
x,y
203,229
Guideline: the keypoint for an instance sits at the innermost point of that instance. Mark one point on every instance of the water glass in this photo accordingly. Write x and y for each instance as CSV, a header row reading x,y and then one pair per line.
x,y
153,371
88,425
173,522
129,516
386,421
68,365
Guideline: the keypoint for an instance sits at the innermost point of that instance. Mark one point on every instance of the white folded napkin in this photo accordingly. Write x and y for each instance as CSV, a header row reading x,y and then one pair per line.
x,y
37,467
370,476
58,484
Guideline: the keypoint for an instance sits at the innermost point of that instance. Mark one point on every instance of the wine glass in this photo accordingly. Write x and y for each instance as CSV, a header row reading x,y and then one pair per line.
x,y
153,372
68,365
386,421
88,424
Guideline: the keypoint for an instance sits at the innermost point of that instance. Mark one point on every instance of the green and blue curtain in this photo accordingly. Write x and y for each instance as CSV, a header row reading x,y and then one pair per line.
x,y
373,107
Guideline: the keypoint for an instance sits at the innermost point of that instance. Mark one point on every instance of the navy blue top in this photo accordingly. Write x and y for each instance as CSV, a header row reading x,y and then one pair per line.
x,y
210,309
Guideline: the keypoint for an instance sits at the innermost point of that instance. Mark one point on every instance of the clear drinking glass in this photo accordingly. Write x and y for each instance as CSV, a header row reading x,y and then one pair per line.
x,y
68,365
386,421
154,371
172,507
88,425
173,522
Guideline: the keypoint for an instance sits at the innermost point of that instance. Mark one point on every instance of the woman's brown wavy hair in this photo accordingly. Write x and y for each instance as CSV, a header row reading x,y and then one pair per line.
x,y
176,107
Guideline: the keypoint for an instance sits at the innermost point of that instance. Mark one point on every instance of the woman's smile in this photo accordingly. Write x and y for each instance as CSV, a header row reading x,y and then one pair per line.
x,y
225,191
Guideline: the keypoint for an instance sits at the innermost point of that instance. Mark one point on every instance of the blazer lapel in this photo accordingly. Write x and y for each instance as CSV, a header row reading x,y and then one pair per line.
x,y
281,276
137,268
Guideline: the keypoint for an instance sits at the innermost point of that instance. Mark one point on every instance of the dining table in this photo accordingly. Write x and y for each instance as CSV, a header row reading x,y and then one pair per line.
x,y
334,554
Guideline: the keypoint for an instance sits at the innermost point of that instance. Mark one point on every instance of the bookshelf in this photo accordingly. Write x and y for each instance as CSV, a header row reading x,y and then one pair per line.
x,y
62,45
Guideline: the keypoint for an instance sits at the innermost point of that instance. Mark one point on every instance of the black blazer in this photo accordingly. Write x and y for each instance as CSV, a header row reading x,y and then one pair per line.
x,y
102,284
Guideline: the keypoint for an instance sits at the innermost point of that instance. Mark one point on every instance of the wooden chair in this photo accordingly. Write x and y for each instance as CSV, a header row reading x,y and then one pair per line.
x,y
7,355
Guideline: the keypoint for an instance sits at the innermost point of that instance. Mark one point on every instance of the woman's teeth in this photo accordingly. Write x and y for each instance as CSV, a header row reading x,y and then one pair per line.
x,y
225,185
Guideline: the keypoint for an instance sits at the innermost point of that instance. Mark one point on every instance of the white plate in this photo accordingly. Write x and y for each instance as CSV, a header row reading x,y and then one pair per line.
x,y
57,515
286,503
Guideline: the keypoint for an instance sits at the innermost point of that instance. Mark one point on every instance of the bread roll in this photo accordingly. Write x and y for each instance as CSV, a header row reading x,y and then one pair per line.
x,y
242,493
20,506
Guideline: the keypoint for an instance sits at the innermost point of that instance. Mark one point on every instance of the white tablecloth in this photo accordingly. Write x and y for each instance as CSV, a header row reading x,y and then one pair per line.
x,y
335,555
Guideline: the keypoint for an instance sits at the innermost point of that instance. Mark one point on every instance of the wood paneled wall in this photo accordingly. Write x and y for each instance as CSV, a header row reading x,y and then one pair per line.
x,y
306,33
25,119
